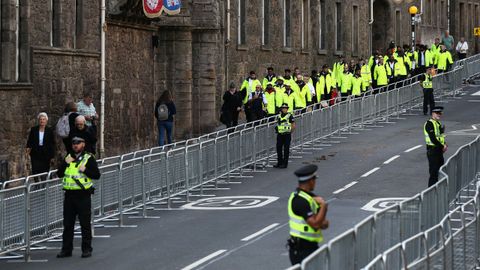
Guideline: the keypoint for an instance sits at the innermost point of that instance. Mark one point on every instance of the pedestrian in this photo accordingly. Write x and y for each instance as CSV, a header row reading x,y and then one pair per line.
x,y
444,59
289,97
393,68
435,50
232,105
86,108
366,74
81,130
77,170
359,86
308,216
41,145
248,86
279,91
164,111
70,114
426,81
269,78
270,96
462,48
288,78
345,82
285,127
434,133
448,41
256,104
325,84
380,75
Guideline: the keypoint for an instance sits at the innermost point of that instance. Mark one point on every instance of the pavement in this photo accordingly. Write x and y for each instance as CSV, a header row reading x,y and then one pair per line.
x,y
244,224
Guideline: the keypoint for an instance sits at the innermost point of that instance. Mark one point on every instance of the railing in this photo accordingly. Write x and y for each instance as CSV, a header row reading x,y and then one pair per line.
x,y
32,212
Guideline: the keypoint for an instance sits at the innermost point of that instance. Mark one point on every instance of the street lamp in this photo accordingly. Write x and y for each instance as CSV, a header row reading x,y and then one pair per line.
x,y
413,11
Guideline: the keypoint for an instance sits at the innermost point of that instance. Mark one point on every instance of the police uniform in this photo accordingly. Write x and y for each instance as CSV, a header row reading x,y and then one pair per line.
x,y
428,99
284,137
304,239
78,188
435,140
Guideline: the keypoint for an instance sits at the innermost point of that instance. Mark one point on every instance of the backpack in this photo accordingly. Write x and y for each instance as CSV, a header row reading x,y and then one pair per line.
x,y
162,112
63,126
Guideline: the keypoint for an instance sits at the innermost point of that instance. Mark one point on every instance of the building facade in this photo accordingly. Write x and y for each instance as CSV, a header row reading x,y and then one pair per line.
x,y
50,51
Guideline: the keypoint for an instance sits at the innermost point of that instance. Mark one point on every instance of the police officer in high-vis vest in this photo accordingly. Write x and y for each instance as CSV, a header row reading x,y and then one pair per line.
x,y
434,133
77,172
285,127
308,216
426,81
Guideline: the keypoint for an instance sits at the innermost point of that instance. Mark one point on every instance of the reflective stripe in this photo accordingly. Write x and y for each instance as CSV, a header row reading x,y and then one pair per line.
x,y
298,226
72,173
427,83
284,125
306,234
436,127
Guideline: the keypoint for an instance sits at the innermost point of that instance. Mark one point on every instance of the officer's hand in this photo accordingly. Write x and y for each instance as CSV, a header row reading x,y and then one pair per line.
x,y
445,148
325,224
320,200
69,159
81,168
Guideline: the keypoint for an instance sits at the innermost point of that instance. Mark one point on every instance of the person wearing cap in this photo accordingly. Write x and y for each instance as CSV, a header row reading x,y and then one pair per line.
x,y
270,96
308,216
269,78
279,90
426,81
324,84
289,97
288,78
434,133
77,170
285,127
444,59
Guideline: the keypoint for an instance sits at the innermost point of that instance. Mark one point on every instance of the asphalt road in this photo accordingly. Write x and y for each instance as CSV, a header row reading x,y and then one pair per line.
x,y
381,162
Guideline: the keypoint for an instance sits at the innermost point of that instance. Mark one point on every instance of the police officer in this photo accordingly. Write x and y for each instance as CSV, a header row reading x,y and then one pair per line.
x,y
436,146
307,213
427,85
77,170
285,127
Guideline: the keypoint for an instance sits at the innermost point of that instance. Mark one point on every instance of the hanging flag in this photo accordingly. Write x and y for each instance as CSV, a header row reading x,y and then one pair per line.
x,y
154,8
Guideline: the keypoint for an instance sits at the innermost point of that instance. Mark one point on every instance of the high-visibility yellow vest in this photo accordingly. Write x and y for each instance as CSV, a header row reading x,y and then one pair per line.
x,y
249,86
290,100
358,86
345,82
298,225
438,134
271,101
443,58
427,83
266,81
72,172
401,66
366,75
283,124
279,91
380,75
303,97
322,80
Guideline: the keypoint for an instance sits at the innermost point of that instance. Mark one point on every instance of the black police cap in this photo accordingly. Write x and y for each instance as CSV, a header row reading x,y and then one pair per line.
x,y
437,109
306,173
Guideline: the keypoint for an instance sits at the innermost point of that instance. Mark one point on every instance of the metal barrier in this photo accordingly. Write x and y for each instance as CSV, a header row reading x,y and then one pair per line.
x,y
32,212
436,229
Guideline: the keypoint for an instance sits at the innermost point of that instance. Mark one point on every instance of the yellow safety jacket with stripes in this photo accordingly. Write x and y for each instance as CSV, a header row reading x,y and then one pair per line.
x,y
298,225
427,83
283,124
72,173
438,134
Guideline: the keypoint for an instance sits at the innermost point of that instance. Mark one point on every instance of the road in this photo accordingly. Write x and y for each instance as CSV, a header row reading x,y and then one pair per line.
x,y
381,162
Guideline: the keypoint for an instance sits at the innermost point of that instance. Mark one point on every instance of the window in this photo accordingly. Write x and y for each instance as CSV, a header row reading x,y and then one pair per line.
x,y
17,40
356,30
242,29
398,27
435,13
428,12
305,22
461,20
322,25
287,35
443,14
77,38
55,23
338,26
265,22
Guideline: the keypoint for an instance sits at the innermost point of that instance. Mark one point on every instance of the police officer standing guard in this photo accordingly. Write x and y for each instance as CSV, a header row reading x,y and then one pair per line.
x,y
307,214
436,146
427,85
285,127
77,171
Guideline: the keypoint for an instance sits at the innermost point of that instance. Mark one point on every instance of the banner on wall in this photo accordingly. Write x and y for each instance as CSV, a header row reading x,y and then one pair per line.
x,y
155,8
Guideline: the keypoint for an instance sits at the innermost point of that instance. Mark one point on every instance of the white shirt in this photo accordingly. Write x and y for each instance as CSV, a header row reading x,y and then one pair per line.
x,y
462,47
258,93
41,134
312,89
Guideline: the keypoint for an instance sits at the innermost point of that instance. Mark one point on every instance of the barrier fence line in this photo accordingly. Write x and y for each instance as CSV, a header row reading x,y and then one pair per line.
x,y
135,182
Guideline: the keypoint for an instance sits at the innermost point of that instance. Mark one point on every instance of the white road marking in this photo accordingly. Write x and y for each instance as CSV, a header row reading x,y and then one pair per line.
x,y
381,203
248,238
345,187
391,159
476,93
230,203
474,127
203,260
413,148
473,100
370,172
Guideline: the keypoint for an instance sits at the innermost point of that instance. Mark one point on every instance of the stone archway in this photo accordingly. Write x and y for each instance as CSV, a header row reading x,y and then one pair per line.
x,y
382,32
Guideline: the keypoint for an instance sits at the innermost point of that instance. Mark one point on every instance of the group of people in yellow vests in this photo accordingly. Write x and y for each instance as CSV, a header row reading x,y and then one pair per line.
x,y
352,79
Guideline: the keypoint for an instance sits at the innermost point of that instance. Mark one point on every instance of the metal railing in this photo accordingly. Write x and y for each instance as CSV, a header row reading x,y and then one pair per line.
x,y
31,213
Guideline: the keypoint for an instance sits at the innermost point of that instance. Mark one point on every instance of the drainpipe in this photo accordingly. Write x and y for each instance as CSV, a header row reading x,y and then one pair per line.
x,y
227,43
370,24
102,78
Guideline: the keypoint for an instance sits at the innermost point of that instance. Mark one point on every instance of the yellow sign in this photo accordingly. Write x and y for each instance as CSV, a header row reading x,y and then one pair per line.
x,y
476,31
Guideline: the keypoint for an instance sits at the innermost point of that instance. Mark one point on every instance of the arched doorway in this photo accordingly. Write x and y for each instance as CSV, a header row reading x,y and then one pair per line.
x,y
382,32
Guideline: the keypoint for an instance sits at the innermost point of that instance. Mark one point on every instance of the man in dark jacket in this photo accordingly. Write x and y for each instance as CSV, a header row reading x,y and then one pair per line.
x,y
81,130
77,170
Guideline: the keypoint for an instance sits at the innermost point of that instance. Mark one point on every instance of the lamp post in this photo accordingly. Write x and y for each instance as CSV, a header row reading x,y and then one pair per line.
x,y
413,11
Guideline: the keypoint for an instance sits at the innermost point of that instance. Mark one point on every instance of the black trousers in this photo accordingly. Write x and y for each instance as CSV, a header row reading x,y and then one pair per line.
x,y
40,165
77,203
283,148
299,249
462,56
435,161
428,100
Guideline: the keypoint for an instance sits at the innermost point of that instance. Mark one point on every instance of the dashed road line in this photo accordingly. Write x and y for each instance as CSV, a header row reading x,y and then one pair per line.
x,y
476,93
345,187
370,172
391,159
266,229
413,148
204,259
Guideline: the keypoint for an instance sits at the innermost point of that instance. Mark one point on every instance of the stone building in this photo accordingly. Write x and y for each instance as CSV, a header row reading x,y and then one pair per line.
x,y
50,52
